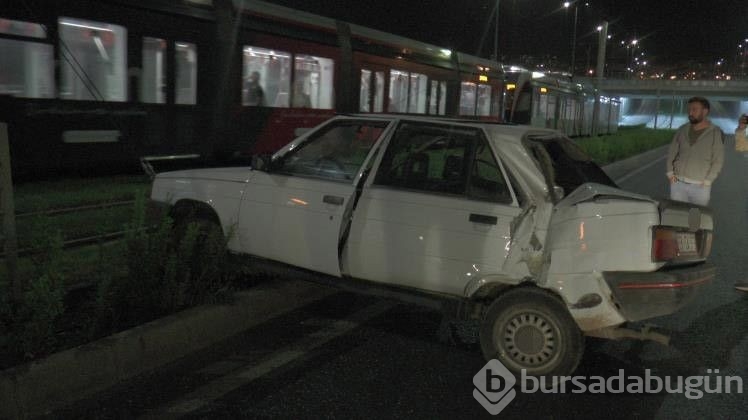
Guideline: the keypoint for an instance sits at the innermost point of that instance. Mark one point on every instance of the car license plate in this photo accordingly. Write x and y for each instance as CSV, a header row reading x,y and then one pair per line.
x,y
686,242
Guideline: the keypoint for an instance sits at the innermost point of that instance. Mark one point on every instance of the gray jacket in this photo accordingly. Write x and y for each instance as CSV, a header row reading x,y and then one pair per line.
x,y
697,163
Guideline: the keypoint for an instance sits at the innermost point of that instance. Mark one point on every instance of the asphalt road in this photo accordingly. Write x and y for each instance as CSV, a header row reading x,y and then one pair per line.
x,y
350,356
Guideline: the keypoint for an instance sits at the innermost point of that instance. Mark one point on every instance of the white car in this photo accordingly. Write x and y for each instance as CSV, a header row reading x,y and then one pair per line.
x,y
513,223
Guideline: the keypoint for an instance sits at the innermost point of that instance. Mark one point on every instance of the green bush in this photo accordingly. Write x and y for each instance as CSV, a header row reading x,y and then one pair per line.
x,y
27,324
166,272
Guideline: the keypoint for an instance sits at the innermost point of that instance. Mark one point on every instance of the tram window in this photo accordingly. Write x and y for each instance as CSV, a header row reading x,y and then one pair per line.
x,y
467,98
483,108
152,83
434,97
365,91
267,77
408,92
313,82
495,100
443,98
418,93
186,74
94,60
379,91
398,91
27,70
21,28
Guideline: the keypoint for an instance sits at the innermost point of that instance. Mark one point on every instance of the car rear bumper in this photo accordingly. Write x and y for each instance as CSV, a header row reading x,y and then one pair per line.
x,y
640,296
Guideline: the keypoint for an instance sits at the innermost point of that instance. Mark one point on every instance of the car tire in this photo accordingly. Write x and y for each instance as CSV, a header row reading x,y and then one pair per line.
x,y
529,329
207,226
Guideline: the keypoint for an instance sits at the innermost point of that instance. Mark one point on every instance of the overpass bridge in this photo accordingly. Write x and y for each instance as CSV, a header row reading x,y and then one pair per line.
x,y
653,88
661,103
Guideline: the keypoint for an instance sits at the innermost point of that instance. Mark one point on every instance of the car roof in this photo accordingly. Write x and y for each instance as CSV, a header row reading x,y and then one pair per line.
x,y
512,133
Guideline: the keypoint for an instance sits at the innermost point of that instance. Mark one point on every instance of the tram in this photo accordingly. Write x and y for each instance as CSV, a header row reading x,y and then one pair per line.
x,y
94,86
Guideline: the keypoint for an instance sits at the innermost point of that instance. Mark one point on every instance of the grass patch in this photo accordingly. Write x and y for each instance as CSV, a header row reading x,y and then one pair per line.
x,y
77,266
72,192
625,143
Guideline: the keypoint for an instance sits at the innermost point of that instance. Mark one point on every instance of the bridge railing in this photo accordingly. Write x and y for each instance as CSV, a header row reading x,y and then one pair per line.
x,y
731,88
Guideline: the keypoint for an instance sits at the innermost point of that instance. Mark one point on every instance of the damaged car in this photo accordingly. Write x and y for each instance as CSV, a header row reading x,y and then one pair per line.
x,y
513,227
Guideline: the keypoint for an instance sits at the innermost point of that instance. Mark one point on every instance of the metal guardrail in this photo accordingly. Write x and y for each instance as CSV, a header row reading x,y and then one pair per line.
x,y
80,242
58,211
146,162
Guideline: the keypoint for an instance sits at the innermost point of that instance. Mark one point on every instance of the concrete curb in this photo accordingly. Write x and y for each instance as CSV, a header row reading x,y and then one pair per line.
x,y
68,376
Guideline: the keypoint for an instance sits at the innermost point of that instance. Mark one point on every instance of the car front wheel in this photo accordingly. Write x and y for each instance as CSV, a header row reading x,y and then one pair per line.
x,y
529,329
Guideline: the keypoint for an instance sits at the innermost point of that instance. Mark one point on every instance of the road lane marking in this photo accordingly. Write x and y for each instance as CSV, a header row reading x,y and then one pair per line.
x,y
219,387
640,169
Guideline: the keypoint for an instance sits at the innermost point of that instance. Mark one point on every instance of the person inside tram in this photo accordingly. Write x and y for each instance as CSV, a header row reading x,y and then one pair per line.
x,y
300,99
254,94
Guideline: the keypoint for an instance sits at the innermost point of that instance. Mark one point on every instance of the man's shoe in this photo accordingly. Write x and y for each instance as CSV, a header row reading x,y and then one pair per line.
x,y
742,286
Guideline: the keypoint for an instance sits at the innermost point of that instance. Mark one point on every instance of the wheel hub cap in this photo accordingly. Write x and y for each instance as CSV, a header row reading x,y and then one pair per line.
x,y
529,339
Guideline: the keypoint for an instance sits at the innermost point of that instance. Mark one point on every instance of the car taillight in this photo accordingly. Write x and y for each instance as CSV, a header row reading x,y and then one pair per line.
x,y
664,244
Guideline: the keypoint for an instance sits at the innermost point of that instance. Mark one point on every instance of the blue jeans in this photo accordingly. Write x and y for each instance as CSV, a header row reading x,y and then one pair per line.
x,y
691,193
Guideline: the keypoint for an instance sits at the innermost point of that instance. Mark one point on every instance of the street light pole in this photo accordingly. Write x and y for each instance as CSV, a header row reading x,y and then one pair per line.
x,y
572,63
574,39
602,40
496,34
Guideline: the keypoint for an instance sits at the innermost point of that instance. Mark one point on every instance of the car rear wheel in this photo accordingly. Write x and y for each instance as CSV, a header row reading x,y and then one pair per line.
x,y
529,329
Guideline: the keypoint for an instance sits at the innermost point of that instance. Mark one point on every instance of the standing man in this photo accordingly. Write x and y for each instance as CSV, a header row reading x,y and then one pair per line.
x,y
696,155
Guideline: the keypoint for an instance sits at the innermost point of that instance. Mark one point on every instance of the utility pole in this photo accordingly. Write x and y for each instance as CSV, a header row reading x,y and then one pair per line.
x,y
10,242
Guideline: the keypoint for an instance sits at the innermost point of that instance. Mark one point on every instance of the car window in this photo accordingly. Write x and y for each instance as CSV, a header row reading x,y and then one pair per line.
x,y
427,157
335,151
486,180
443,159
564,163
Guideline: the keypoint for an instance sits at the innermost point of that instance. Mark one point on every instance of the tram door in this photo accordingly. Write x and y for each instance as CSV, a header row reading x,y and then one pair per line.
x,y
437,97
371,93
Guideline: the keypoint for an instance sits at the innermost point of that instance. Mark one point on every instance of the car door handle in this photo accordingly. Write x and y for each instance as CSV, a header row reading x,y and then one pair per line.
x,y
482,218
333,199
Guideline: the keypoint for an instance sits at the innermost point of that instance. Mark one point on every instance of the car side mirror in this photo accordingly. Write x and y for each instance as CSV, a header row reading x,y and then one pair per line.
x,y
261,162
558,193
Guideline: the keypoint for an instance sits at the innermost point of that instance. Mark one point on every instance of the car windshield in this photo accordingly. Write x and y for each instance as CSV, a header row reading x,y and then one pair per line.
x,y
564,164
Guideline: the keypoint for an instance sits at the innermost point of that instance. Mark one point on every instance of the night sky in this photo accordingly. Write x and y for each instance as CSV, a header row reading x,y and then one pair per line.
x,y
672,30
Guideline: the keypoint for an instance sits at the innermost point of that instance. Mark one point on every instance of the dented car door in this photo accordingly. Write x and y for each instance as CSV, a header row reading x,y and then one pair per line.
x,y
436,213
